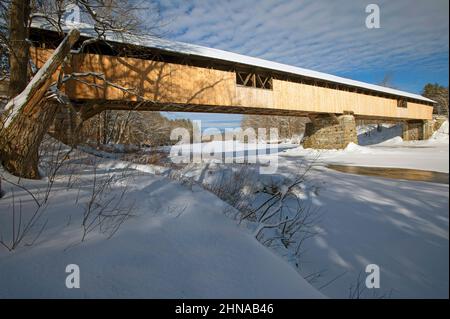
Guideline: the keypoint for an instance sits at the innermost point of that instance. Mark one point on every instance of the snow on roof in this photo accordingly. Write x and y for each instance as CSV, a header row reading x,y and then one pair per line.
x,y
201,51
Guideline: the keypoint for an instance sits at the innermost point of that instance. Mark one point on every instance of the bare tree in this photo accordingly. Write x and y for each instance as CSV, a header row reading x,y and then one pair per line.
x,y
33,104
131,127
288,126
19,47
388,80
27,116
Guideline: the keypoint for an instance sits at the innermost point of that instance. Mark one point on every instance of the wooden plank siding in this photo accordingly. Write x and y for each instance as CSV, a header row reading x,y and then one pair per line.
x,y
183,84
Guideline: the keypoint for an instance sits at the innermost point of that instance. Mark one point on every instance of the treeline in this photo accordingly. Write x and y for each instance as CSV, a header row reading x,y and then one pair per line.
x,y
132,127
439,94
288,126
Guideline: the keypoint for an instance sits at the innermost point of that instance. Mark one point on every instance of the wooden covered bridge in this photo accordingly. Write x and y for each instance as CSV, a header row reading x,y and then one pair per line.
x,y
152,74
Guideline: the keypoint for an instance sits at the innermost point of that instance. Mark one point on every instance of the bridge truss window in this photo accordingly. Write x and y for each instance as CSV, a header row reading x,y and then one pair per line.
x,y
402,103
254,80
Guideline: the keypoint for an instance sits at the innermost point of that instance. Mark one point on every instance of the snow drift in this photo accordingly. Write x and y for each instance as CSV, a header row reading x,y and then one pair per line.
x,y
178,244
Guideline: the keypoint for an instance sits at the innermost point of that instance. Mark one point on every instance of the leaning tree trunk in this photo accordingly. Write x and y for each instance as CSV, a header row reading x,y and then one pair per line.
x,y
27,117
19,145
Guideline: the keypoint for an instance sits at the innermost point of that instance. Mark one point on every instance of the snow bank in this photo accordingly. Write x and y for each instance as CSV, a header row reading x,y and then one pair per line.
x,y
179,244
355,148
402,226
393,141
429,155
151,169
442,133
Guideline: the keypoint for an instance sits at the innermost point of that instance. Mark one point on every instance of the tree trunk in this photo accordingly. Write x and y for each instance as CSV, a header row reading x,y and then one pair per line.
x,y
28,116
20,155
18,60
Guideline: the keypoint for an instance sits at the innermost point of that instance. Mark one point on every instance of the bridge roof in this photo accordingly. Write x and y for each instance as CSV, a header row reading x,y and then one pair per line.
x,y
216,54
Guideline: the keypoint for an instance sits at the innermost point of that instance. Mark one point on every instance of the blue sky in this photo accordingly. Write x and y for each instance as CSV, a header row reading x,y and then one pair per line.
x,y
411,46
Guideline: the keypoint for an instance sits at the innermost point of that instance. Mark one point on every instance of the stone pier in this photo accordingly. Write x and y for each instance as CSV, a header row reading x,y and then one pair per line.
x,y
329,131
413,130
422,130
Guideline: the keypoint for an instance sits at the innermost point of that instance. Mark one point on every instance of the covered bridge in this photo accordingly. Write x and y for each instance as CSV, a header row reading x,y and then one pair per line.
x,y
149,73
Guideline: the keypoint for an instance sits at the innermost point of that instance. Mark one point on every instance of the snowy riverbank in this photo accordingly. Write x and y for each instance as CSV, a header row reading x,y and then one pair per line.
x,y
176,241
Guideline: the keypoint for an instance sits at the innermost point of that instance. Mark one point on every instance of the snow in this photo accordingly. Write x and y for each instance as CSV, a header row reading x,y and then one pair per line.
x,y
355,148
217,150
402,226
429,154
441,135
178,244
404,155
201,51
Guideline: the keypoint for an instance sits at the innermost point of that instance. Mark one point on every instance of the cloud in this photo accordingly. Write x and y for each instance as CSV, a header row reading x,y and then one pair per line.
x,y
328,36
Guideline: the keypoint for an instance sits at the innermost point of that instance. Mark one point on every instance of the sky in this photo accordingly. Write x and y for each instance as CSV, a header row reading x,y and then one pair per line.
x,y
411,46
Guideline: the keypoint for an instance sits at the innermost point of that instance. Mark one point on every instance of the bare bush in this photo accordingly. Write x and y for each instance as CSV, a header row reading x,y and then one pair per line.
x,y
284,219
275,206
358,290
24,226
235,188
105,210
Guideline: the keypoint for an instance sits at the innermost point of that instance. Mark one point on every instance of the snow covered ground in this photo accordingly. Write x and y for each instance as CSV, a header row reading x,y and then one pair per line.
x,y
430,154
178,243
402,226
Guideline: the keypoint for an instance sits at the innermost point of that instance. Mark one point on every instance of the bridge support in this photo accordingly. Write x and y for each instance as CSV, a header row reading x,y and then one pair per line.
x,y
328,131
421,130
417,130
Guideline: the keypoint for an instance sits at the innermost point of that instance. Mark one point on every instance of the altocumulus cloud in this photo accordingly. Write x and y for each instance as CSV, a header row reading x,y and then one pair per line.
x,y
328,36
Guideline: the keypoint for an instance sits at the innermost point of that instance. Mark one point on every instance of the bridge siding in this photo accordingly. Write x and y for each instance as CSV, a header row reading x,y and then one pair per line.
x,y
174,83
